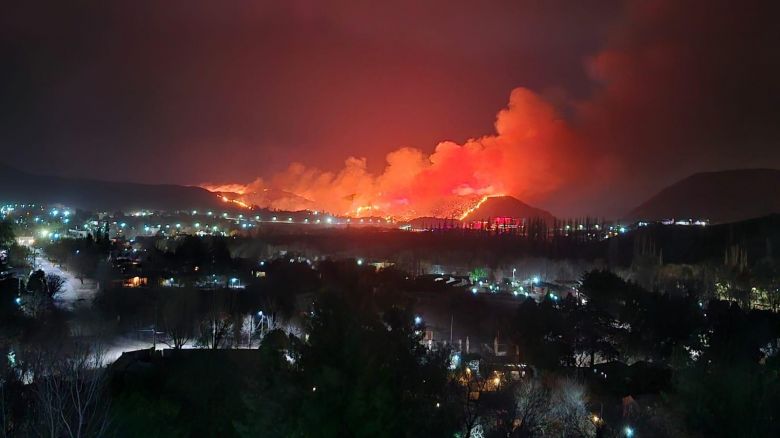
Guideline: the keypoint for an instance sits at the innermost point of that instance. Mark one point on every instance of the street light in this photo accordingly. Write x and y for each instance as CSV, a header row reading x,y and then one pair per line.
x,y
628,431
417,320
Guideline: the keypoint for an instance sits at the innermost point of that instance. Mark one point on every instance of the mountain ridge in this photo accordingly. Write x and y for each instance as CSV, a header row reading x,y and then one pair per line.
x,y
506,206
90,194
719,196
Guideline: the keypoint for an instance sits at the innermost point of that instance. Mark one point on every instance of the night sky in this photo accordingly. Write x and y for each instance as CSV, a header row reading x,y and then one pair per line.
x,y
613,99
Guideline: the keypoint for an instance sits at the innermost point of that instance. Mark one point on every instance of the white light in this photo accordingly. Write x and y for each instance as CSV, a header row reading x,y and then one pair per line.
x,y
360,262
418,320
474,290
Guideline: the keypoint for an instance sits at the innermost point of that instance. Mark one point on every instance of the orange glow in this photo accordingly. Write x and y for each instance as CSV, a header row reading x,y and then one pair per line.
x,y
475,206
238,202
239,189
530,155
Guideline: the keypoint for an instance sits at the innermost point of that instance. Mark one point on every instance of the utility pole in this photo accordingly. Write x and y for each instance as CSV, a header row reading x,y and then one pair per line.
x,y
452,319
251,329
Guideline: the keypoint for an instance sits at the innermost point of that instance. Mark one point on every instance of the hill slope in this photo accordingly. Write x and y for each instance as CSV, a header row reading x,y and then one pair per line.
x,y
725,196
23,187
506,206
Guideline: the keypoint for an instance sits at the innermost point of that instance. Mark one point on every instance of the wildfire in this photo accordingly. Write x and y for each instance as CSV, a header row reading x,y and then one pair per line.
x,y
476,206
364,209
239,189
238,202
452,180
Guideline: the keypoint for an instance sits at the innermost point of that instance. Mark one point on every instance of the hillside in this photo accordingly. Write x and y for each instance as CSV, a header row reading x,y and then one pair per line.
x,y
725,196
506,206
22,187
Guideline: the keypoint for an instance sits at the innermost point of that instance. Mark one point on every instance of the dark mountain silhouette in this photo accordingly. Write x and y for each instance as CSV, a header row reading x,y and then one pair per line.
x,y
22,187
507,206
725,196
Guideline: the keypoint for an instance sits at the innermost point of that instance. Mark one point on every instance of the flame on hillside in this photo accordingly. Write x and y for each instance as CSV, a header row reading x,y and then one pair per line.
x,y
476,206
238,202
528,156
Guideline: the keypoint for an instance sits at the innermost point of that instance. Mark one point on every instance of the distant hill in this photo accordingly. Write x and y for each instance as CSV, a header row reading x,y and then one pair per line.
x,y
507,206
22,187
726,196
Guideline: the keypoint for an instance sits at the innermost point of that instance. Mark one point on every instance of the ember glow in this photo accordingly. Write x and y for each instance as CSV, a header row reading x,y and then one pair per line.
x,y
526,157
475,207
238,202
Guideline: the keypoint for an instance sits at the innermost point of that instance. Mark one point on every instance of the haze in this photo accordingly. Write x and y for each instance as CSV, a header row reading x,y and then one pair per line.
x,y
577,107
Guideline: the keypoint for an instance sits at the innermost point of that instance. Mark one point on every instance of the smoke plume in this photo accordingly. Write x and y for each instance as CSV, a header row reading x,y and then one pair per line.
x,y
528,156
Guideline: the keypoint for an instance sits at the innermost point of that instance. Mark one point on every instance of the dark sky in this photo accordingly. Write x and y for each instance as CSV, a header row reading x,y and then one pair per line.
x,y
194,91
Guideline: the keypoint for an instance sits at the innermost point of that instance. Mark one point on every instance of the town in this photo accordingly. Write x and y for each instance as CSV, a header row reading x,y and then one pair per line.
x,y
507,323
390,219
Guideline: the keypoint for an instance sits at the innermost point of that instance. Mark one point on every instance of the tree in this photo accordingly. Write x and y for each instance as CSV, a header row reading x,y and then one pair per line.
x,y
219,324
54,284
177,316
592,332
70,396
468,386
7,236
37,300
542,333
368,376
569,413
534,406
531,407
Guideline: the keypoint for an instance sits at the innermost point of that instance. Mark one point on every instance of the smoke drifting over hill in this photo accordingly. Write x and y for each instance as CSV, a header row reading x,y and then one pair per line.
x,y
531,154
618,98
663,105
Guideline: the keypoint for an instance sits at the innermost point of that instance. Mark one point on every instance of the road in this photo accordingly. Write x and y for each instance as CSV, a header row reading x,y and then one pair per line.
x,y
74,292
